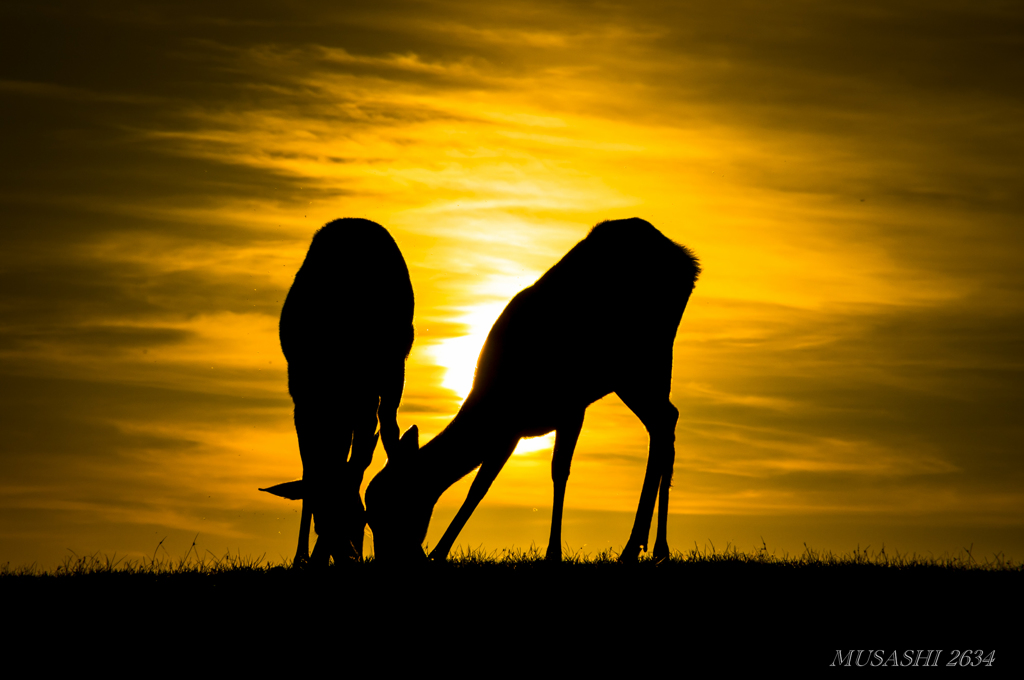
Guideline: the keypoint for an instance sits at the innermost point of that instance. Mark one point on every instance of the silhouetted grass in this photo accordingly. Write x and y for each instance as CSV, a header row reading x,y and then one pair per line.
x,y
713,608
809,559
462,560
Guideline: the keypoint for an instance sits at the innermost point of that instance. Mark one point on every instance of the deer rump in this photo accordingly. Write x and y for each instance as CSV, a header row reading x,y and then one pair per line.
x,y
346,330
608,310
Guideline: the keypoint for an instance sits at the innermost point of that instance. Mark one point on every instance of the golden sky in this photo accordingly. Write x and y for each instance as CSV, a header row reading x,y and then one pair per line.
x,y
848,371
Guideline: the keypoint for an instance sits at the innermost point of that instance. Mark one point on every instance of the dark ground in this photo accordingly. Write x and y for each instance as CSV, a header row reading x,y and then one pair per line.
x,y
520,618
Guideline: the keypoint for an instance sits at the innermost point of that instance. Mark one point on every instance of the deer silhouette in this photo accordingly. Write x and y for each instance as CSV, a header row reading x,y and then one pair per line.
x,y
346,331
602,320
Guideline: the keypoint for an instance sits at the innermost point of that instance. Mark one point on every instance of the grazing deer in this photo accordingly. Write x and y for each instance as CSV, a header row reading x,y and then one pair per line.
x,y
602,320
346,331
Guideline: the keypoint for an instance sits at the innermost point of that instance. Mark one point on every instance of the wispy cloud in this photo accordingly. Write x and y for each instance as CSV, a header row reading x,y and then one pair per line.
x,y
848,175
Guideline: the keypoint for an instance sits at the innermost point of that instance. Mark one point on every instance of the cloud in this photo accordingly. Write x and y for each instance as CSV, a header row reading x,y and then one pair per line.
x,y
848,175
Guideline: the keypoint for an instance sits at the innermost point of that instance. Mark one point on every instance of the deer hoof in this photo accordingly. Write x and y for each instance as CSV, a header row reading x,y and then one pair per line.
x,y
629,554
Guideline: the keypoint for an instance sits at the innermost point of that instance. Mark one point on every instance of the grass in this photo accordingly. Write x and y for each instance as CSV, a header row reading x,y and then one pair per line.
x,y
78,566
75,565
964,560
739,610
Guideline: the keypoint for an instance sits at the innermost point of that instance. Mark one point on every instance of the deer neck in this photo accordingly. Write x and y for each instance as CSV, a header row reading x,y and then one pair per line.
x,y
468,441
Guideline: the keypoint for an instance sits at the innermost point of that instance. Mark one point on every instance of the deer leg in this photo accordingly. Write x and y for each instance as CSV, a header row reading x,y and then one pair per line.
x,y
481,483
302,552
661,542
659,416
642,524
364,442
566,437
349,504
308,430
321,556
324,428
390,398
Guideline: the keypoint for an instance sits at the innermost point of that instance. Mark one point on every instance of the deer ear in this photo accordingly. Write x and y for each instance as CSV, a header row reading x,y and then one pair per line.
x,y
407,447
290,490
409,444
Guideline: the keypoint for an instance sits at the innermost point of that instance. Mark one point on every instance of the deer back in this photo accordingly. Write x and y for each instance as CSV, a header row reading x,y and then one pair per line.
x,y
611,302
349,310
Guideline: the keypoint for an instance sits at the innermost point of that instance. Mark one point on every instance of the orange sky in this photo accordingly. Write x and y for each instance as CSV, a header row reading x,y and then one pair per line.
x,y
848,370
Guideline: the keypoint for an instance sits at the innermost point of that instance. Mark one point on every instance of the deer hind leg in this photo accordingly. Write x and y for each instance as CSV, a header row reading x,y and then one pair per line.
x,y
661,542
308,430
566,436
348,504
324,429
481,483
659,416
302,552
392,387
336,504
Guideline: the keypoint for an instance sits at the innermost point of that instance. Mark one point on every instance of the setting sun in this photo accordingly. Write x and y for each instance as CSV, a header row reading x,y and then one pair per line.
x,y
458,355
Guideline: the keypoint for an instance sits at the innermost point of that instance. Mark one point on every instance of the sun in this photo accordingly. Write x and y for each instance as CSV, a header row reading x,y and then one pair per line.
x,y
458,356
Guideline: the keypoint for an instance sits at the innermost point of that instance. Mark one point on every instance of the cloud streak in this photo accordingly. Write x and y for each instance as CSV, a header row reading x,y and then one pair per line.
x,y
849,177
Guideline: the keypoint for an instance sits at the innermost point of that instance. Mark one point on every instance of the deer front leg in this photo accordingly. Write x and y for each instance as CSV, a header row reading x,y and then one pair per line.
x,y
488,472
566,437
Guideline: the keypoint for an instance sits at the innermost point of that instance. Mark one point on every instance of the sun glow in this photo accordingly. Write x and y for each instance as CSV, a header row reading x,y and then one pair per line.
x,y
458,355
530,445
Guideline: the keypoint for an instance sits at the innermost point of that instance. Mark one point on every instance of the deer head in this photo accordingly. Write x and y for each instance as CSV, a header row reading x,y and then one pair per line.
x,y
398,510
